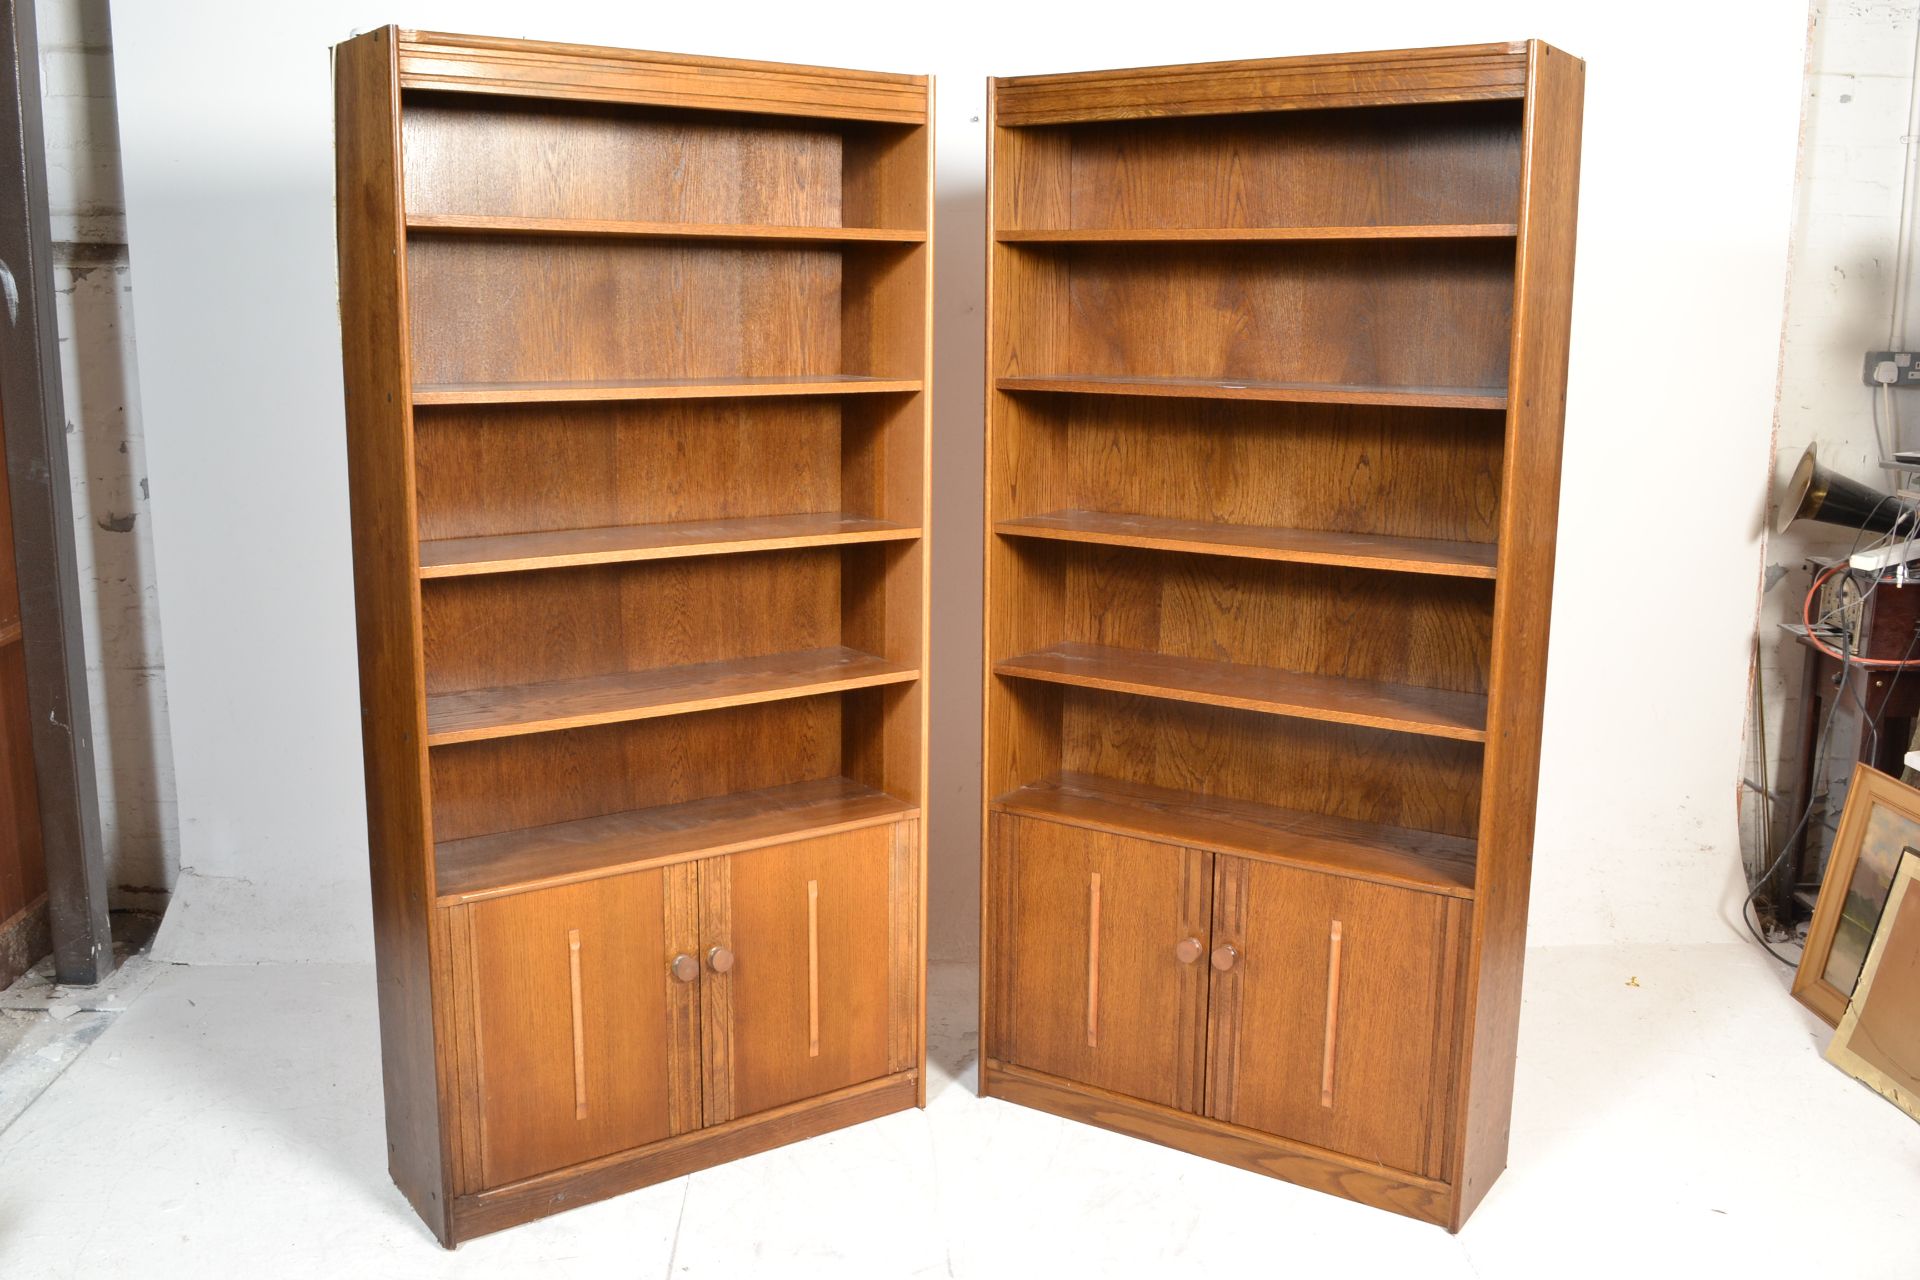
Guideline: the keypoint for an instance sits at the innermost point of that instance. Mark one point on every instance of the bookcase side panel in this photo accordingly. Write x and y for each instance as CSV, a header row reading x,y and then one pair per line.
x,y
1543,297
373,309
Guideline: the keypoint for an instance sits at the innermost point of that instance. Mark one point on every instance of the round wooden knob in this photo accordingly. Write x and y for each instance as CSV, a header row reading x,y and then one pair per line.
x,y
684,967
1224,956
720,959
1187,950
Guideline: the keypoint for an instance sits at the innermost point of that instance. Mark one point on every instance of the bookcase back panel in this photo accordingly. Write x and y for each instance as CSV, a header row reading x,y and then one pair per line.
x,y
523,628
491,469
512,783
1407,629
1457,163
1381,313
1416,473
1368,775
537,159
510,310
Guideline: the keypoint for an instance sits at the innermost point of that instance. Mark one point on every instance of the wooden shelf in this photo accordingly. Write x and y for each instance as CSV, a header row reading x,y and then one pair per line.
x,y
1258,542
621,544
476,714
1295,392
9,633
822,384
1238,235
587,848
614,228
1405,708
1364,850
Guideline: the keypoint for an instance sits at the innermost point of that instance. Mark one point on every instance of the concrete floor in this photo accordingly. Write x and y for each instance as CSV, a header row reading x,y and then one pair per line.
x,y
1673,1117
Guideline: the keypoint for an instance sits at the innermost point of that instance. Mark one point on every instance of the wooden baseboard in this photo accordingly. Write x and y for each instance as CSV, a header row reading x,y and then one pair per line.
x,y
24,940
502,1207
1311,1167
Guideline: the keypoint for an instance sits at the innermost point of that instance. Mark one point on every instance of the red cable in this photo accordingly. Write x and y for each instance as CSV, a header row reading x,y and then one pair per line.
x,y
1806,618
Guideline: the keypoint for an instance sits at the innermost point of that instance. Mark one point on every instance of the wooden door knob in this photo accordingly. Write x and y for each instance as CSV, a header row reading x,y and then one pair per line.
x,y
720,959
684,967
1187,950
1224,956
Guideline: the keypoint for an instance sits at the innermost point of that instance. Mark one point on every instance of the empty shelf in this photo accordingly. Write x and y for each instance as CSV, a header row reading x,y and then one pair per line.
x,y
504,224
1369,851
1235,235
822,384
617,544
1406,708
1260,542
567,852
1239,389
475,714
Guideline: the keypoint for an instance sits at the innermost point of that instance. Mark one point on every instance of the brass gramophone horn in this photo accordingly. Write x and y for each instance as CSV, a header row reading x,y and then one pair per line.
x,y
1816,493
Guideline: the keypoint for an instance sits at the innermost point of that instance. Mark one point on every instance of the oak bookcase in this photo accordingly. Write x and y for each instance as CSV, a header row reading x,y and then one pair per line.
x,y
1277,356
636,360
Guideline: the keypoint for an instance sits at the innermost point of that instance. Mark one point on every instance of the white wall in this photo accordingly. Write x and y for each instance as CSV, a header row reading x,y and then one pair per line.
x,y
1691,127
1846,224
113,528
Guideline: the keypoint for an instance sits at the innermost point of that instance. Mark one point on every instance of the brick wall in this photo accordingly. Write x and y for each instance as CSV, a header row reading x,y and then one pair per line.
x,y
93,281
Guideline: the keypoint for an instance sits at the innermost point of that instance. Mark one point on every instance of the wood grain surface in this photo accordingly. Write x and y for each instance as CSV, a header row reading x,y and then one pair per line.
x,y
1133,1022
1422,860
1453,74
1338,699
1257,542
538,69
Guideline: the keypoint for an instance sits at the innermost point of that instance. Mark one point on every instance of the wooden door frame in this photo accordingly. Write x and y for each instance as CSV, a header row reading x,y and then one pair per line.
x,y
33,417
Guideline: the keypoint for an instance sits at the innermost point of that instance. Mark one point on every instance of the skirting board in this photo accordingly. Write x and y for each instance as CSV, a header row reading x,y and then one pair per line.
x,y
1310,1167
502,1207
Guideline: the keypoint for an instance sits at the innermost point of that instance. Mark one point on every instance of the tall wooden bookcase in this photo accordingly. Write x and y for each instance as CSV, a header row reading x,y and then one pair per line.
x,y
636,361
1277,356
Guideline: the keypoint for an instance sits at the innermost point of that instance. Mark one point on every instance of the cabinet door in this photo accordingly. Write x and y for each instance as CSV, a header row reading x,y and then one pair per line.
x,y
581,1041
1098,960
810,981
1334,1020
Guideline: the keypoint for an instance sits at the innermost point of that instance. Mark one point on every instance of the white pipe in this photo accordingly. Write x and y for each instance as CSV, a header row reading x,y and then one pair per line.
x,y
1903,252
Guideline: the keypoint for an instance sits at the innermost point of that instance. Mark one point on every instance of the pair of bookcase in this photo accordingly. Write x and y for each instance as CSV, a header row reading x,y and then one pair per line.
x,y
636,351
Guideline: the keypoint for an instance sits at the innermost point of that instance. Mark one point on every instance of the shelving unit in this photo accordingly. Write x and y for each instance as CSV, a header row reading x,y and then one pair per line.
x,y
1276,366
636,355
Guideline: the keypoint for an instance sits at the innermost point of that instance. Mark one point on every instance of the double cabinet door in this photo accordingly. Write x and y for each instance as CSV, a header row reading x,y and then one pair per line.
x,y
1314,1007
608,1015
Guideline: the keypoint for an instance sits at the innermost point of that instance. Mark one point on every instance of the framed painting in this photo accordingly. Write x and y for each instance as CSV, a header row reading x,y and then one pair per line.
x,y
1880,821
1878,1041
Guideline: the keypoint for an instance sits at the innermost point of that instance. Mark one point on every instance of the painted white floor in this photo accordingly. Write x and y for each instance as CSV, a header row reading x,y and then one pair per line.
x,y
228,1124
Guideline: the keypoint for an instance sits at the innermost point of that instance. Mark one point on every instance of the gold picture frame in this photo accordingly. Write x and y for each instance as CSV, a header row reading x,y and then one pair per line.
x,y
1880,821
1878,1041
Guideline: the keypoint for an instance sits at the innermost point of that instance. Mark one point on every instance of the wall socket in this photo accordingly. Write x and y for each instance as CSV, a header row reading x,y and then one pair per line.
x,y
1893,369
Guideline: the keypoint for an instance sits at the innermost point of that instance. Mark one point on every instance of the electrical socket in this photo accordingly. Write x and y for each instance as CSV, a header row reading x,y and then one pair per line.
x,y
1893,369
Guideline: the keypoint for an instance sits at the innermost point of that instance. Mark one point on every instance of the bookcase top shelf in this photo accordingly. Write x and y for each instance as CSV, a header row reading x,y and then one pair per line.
x,y
1238,389
620,544
813,384
473,715
1375,704
1459,73
618,228
587,848
1366,850
1441,557
1235,235
441,61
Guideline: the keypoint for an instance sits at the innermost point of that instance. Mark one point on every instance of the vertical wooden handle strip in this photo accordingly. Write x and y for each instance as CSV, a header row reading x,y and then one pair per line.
x,y
1333,1014
579,1029
813,968
1093,961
